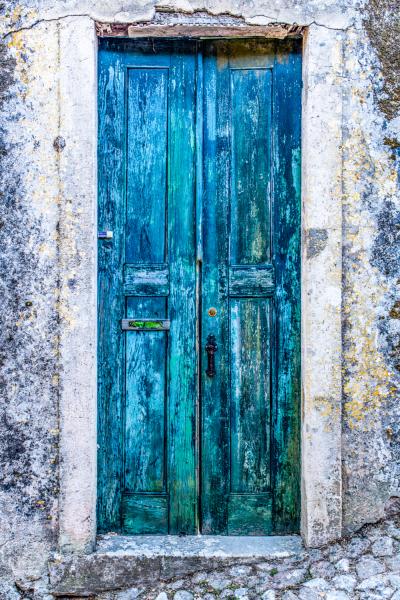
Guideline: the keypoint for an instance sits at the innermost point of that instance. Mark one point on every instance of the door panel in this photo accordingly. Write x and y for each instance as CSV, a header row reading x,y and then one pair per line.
x,y
237,483
250,239
147,121
146,361
250,395
145,499
199,180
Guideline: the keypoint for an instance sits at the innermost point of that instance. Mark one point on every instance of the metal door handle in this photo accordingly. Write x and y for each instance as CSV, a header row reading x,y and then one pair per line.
x,y
211,348
105,235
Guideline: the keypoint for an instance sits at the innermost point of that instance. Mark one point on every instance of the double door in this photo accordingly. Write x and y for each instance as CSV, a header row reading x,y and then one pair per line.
x,y
199,287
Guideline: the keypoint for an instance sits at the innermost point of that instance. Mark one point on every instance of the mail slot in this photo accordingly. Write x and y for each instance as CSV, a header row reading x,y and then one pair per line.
x,y
145,324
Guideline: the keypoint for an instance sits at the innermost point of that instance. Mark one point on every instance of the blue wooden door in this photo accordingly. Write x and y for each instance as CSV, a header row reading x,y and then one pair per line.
x,y
199,287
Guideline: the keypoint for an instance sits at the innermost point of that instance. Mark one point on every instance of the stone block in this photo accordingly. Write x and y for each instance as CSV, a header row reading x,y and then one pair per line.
x,y
383,547
269,595
368,566
183,595
318,583
373,583
322,569
357,547
289,578
337,595
241,593
343,565
344,582
289,596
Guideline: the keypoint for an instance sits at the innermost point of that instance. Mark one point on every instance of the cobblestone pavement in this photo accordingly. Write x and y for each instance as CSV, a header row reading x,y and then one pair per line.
x,y
363,567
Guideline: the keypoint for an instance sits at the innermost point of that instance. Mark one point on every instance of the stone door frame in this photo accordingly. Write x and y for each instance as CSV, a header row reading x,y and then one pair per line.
x,y
321,481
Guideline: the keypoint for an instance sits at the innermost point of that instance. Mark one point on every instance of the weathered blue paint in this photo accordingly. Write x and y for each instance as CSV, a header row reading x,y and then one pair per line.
x,y
286,380
147,378
199,179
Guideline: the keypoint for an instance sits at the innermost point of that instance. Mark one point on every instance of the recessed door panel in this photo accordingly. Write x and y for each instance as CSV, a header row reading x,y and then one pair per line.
x,y
145,406
146,195
250,205
250,392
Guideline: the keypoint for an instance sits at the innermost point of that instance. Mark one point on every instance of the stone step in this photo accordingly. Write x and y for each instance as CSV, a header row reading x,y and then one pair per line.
x,y
122,561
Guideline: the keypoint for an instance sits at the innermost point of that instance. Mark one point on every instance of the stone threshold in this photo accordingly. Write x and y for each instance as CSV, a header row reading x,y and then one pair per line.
x,y
121,562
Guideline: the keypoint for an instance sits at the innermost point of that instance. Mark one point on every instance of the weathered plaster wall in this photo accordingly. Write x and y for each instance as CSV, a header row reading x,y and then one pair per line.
x,y
28,298
34,214
371,204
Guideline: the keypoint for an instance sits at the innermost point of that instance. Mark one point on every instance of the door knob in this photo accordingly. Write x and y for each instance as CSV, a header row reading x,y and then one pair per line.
x,y
211,348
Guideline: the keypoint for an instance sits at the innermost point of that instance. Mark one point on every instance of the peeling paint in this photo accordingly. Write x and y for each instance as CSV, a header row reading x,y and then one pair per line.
x,y
41,261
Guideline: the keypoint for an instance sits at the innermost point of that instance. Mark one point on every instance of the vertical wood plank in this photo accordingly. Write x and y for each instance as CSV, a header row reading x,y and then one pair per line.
x,y
199,267
250,244
287,214
215,391
111,157
182,299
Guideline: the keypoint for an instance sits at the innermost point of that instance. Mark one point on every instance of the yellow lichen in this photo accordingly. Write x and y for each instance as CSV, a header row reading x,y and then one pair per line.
x,y
366,376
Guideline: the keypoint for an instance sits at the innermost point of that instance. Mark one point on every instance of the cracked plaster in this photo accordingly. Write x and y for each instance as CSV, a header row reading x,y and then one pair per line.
x,y
41,269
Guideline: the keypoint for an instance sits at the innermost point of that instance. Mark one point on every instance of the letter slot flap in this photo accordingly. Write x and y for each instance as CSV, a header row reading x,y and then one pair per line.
x,y
145,324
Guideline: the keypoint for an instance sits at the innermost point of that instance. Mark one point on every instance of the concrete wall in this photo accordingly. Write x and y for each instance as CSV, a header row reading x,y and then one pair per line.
x,y
46,264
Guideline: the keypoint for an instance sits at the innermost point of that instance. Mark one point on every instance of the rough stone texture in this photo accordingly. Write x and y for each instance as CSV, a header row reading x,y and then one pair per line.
x,y
371,329
38,283
290,577
28,305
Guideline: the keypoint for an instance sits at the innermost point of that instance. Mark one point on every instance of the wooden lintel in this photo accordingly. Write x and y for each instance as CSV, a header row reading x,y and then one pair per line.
x,y
275,30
